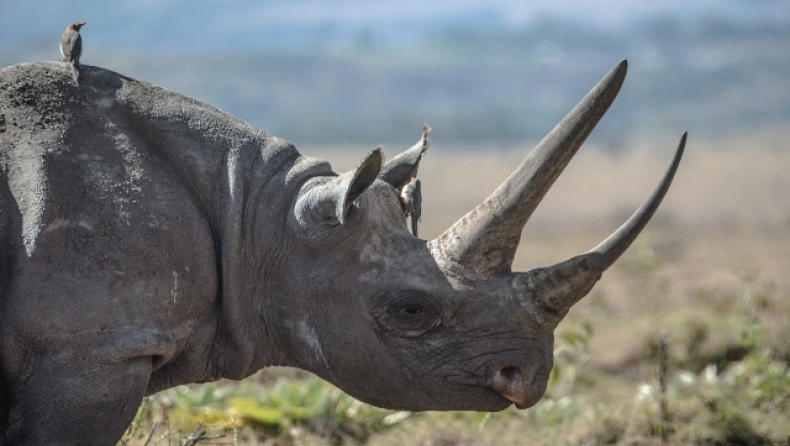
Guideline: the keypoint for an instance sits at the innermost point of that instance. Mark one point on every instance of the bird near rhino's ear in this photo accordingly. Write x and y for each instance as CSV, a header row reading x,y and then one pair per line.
x,y
399,170
328,203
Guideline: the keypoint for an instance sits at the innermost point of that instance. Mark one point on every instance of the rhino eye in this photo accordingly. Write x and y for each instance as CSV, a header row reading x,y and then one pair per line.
x,y
407,314
411,310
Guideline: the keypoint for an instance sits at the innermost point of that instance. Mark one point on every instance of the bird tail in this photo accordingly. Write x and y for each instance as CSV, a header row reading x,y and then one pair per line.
x,y
75,71
414,225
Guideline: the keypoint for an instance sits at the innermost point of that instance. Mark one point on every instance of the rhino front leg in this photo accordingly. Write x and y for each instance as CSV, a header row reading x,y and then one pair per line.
x,y
5,408
66,401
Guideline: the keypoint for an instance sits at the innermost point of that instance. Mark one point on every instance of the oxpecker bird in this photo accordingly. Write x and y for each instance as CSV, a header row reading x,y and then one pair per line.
x,y
411,199
71,47
401,173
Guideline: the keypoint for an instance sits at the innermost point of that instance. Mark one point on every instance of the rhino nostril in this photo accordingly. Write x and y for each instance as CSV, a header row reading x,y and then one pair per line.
x,y
512,375
509,382
522,385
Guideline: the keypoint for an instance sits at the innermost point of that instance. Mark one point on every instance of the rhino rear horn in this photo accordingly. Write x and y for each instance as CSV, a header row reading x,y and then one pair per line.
x,y
400,169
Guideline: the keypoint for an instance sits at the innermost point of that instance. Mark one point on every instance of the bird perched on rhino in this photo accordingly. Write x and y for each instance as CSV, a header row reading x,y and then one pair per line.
x,y
411,199
71,47
401,173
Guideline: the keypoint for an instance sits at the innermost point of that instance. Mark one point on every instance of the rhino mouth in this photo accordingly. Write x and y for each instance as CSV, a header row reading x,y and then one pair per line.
x,y
509,385
520,388
509,382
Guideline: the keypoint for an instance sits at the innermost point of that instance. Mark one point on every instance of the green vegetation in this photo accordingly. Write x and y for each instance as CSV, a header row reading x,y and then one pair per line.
x,y
744,403
713,377
283,410
717,296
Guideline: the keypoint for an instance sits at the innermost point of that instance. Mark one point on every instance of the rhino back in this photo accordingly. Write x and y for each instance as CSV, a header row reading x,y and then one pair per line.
x,y
106,236
119,197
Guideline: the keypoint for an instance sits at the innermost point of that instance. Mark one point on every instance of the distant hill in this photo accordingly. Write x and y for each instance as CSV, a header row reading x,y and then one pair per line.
x,y
364,76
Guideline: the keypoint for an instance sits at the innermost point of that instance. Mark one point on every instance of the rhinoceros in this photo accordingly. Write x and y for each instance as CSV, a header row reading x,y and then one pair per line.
x,y
149,240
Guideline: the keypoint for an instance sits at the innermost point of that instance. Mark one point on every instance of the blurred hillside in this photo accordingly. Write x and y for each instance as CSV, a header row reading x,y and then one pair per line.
x,y
708,274
362,73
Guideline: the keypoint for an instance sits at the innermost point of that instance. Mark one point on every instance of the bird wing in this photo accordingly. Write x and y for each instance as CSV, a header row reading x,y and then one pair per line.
x,y
71,45
76,49
416,207
416,200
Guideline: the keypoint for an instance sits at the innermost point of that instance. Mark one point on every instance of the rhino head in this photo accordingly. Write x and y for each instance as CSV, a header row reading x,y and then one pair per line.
x,y
442,324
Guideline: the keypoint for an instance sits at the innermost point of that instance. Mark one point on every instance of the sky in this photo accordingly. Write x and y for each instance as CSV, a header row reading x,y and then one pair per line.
x,y
520,61
185,24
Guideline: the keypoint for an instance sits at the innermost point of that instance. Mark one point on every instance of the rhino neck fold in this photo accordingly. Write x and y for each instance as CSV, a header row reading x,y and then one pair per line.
x,y
242,178
246,231
258,188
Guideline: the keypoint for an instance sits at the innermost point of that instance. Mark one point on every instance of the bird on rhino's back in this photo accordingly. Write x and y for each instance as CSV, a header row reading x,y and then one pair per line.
x,y
71,47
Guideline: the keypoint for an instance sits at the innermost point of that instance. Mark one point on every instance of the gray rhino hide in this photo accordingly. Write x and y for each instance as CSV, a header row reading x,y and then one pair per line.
x,y
149,240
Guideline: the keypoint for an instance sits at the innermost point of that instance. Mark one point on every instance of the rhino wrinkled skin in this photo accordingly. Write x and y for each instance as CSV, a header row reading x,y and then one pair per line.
x,y
149,240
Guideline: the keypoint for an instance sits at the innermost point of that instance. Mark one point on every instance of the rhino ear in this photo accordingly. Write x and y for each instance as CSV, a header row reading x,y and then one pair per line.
x,y
353,183
330,202
399,170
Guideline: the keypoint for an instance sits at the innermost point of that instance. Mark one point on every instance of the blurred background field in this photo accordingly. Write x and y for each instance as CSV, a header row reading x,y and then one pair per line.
x,y
708,280
708,276
706,287
357,71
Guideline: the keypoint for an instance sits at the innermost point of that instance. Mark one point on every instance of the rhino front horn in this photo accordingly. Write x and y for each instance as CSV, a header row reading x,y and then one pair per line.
x,y
483,242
